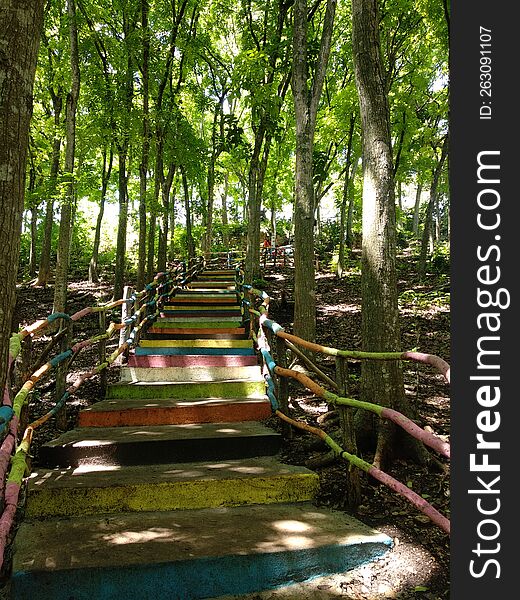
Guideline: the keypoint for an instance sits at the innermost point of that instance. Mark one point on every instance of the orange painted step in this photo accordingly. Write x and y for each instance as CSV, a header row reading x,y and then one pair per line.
x,y
196,330
136,413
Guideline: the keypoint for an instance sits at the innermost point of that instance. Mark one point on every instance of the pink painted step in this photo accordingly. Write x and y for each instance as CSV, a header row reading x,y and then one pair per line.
x,y
191,360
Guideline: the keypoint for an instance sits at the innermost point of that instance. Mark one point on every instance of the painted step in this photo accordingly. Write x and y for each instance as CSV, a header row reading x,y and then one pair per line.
x,y
216,293
199,307
193,360
219,272
196,314
196,343
187,555
117,446
169,334
205,299
226,388
210,285
181,486
187,351
191,374
172,411
199,321
202,331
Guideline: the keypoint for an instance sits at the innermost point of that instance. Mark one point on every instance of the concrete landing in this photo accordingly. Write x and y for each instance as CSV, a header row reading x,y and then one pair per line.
x,y
170,411
167,555
116,446
182,486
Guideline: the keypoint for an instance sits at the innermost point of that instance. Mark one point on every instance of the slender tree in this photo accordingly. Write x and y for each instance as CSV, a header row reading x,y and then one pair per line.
x,y
381,382
306,107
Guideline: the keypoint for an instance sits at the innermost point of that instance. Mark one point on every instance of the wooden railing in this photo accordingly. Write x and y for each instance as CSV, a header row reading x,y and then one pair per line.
x,y
273,342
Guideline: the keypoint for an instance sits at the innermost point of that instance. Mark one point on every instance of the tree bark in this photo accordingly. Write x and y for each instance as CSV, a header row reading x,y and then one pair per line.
x,y
62,263
344,201
416,209
380,382
143,167
306,107
20,26
189,238
428,221
45,256
93,275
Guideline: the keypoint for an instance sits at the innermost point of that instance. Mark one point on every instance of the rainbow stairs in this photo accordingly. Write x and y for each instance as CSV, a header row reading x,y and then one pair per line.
x,y
170,487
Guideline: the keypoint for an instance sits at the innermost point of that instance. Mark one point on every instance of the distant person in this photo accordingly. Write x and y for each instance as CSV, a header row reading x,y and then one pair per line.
x,y
267,246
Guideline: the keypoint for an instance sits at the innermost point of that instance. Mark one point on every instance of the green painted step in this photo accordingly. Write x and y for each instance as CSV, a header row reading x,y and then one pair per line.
x,y
198,321
191,374
187,555
230,388
182,486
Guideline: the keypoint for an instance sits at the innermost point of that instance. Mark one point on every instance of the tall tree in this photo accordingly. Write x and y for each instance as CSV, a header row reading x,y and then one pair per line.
x,y
306,107
20,26
62,264
380,382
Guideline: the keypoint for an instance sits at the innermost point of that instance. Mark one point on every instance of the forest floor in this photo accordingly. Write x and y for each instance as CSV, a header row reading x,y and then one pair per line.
x,y
417,567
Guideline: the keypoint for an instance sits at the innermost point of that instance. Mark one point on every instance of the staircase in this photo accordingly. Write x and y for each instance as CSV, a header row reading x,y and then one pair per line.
x,y
171,487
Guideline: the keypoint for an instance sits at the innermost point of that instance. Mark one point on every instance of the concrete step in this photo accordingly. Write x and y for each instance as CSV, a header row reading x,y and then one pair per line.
x,y
90,490
196,343
211,285
198,321
215,313
214,293
190,374
203,299
117,446
186,351
186,330
225,388
202,307
187,555
193,360
164,333
124,412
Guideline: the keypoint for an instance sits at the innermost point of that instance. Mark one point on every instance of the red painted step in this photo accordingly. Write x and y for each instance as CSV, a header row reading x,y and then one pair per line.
x,y
192,360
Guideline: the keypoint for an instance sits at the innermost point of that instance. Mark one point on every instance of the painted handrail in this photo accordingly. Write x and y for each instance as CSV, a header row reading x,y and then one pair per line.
x,y
272,369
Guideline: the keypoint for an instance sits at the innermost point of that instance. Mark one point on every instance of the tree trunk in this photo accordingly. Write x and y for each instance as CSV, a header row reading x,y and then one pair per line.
x,y
62,263
189,238
224,212
33,221
123,148
344,201
164,227
93,275
416,210
350,212
119,275
380,382
45,256
143,167
428,221
20,26
306,106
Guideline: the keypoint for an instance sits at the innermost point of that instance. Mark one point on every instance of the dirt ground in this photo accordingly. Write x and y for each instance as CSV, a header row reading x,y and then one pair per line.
x,y
418,565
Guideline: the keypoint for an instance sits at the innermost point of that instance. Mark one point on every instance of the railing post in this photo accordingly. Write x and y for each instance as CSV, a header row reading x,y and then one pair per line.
x,y
283,385
126,310
61,376
102,351
348,434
